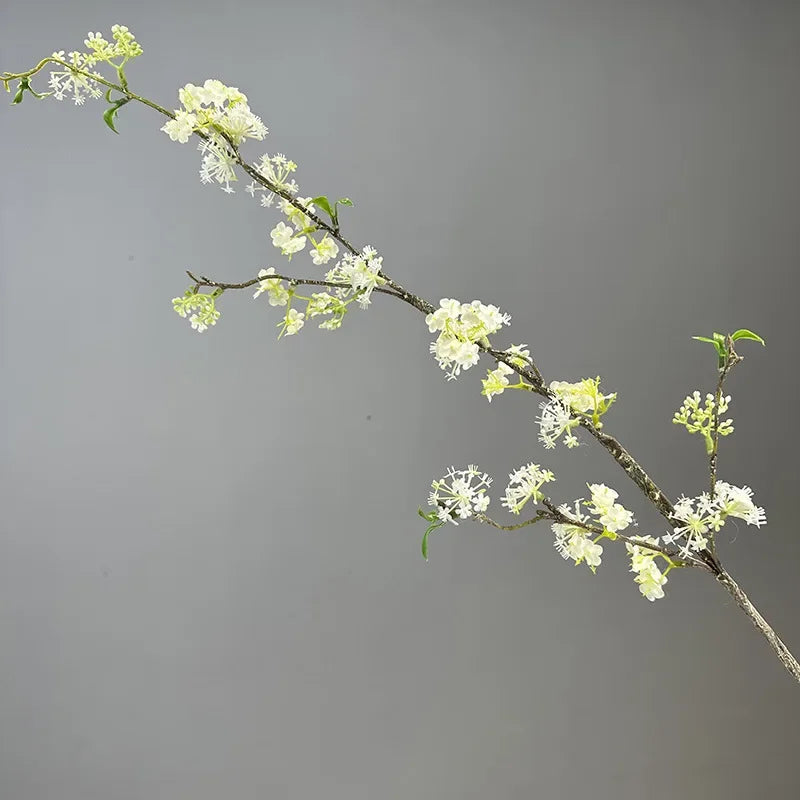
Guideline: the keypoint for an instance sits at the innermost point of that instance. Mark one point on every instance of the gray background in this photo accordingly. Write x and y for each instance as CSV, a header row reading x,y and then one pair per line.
x,y
210,581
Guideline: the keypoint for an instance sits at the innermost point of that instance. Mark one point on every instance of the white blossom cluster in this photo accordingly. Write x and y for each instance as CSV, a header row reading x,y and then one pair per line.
x,y
362,274
556,419
557,414
69,81
460,494
204,308
461,326
320,303
697,516
648,574
496,380
573,538
123,47
275,169
525,484
221,114
584,396
610,514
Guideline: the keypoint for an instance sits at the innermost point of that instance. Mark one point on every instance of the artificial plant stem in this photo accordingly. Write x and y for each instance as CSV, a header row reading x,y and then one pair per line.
x,y
775,642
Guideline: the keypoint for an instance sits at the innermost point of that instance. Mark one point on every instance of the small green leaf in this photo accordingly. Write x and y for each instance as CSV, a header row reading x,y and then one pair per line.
x,y
111,112
344,201
23,85
743,333
703,339
324,204
435,523
108,117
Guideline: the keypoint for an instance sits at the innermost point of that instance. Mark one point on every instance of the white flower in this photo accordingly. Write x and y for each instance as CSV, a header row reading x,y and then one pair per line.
x,y
204,306
582,548
584,396
214,109
191,97
694,523
525,483
460,494
496,380
283,237
572,539
556,419
218,163
602,496
324,303
180,128
651,582
649,577
360,272
297,217
615,518
292,322
324,251
448,311
241,123
454,355
275,169
610,514
278,294
69,80
737,502
461,326
521,355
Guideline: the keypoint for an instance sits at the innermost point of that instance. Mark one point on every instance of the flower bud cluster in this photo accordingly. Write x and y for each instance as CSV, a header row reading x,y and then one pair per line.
x,y
697,418
204,306
68,80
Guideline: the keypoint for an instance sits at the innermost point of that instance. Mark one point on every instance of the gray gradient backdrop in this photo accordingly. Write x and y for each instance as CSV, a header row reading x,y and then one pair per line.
x,y
210,580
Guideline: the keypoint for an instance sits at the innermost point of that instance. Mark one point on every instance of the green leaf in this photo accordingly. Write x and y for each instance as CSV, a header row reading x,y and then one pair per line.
x,y
435,523
324,204
111,112
23,85
703,339
743,333
344,201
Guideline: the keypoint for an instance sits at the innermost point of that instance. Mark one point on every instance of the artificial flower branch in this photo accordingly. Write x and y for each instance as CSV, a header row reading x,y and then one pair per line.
x,y
220,117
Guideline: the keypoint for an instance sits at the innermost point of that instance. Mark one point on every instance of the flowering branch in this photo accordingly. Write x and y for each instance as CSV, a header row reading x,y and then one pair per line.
x,y
221,119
